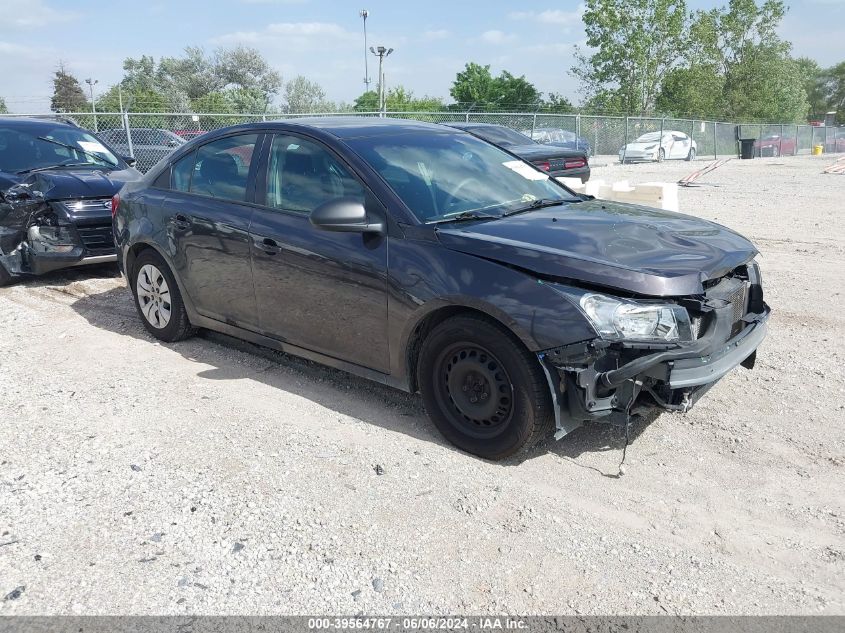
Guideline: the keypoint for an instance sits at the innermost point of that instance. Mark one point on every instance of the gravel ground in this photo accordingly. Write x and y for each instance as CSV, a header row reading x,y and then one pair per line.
x,y
212,477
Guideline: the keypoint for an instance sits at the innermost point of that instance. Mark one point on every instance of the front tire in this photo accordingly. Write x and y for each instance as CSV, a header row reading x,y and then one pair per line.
x,y
691,155
157,298
482,389
661,155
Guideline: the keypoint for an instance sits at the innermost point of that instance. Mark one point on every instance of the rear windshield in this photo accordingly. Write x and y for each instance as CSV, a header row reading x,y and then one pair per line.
x,y
501,136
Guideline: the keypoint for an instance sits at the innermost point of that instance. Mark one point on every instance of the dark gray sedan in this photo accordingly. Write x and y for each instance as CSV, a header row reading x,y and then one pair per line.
x,y
422,257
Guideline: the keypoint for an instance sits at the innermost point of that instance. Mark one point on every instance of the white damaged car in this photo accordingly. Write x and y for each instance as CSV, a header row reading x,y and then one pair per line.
x,y
654,147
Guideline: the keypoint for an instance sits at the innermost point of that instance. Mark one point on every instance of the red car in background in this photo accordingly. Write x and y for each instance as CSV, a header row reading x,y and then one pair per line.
x,y
775,145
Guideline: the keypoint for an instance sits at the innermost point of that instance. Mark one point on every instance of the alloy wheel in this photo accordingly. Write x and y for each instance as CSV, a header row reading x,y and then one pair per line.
x,y
153,296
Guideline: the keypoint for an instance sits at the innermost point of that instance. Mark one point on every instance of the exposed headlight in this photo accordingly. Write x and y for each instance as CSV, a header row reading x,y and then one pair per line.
x,y
621,319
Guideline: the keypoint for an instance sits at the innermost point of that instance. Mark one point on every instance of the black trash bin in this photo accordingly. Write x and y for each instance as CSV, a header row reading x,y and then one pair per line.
x,y
746,146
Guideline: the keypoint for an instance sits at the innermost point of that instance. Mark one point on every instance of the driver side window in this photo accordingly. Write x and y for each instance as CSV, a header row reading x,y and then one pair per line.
x,y
302,175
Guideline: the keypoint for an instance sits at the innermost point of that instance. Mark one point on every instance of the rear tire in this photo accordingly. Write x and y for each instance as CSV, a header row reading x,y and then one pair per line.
x,y
157,298
482,389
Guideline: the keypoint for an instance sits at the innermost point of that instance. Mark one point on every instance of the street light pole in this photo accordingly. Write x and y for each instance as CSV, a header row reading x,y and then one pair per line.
x,y
364,15
91,83
381,52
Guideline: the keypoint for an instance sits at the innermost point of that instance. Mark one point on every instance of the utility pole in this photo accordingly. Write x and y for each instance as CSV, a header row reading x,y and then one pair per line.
x,y
381,52
364,15
91,83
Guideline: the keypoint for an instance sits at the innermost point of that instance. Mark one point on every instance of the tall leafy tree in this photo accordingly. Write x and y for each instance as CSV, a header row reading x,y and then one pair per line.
x,y
834,88
475,84
813,78
3,108
303,95
68,95
633,44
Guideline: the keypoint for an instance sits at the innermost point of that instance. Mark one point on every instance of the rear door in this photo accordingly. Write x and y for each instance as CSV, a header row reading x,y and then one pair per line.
x,y
321,290
210,211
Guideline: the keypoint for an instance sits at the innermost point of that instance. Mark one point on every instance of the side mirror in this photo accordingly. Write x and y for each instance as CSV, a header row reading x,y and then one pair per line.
x,y
129,160
346,215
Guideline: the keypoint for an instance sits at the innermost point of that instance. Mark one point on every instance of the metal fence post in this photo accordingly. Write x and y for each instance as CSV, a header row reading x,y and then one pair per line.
x,y
715,141
625,141
577,126
533,124
126,127
660,146
780,141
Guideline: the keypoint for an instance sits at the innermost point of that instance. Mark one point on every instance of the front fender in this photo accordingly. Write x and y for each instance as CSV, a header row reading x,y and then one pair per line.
x,y
423,282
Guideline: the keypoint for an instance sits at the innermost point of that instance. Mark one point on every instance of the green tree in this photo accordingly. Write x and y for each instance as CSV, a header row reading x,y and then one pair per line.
x,y
68,95
692,91
557,103
766,86
635,43
813,77
834,90
475,84
304,96
3,108
366,102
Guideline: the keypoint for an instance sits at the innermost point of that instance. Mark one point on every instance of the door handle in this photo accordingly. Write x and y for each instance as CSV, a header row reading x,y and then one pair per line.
x,y
269,246
181,222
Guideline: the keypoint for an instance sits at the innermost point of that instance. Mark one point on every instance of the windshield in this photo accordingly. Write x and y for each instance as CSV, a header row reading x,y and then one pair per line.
x,y
24,150
501,135
440,176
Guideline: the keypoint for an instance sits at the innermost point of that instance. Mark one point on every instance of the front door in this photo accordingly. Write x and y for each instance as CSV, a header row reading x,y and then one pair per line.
x,y
209,225
317,289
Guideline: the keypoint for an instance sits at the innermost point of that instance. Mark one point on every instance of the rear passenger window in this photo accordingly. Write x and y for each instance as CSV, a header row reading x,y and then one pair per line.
x,y
219,169
180,176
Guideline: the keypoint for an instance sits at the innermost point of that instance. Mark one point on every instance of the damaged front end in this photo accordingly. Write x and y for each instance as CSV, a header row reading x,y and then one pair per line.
x,y
652,354
39,235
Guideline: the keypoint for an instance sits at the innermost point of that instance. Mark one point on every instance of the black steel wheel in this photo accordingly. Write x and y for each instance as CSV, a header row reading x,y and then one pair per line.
x,y
482,389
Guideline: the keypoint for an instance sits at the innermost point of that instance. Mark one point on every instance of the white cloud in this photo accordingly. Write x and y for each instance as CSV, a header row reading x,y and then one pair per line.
x,y
497,37
438,34
17,14
551,16
295,33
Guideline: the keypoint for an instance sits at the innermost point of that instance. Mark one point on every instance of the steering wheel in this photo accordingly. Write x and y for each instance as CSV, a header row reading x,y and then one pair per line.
x,y
454,195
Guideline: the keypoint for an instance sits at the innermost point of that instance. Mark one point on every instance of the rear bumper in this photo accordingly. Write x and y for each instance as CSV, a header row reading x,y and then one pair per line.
x,y
581,172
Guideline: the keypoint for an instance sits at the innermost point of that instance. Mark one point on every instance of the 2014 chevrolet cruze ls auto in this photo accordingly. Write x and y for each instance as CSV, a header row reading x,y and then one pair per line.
x,y
427,259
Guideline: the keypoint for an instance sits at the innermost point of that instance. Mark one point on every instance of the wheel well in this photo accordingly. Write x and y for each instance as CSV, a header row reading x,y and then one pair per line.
x,y
432,320
132,255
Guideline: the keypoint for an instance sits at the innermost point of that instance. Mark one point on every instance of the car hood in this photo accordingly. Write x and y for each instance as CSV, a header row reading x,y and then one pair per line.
x,y
622,246
544,152
72,184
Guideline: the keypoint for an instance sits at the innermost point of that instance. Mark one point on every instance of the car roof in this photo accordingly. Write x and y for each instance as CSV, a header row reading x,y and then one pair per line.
x,y
34,125
345,127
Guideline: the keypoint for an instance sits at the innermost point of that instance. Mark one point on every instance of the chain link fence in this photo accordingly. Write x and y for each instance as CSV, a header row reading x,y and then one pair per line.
x,y
149,137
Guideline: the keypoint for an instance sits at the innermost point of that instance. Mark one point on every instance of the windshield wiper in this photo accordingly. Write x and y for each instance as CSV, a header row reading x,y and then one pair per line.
x,y
77,149
46,167
539,203
466,215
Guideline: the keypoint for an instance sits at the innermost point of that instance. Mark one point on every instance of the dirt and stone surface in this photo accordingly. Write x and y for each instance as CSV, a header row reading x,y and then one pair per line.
x,y
205,477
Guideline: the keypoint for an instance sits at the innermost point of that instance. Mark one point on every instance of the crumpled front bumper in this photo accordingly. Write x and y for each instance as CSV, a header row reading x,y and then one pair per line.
x,y
611,382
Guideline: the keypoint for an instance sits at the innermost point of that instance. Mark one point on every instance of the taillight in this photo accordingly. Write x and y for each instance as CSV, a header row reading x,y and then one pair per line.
x,y
575,163
115,203
544,165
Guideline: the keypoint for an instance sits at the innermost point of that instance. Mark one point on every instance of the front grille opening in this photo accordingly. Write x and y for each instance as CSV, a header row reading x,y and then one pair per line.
x,y
97,238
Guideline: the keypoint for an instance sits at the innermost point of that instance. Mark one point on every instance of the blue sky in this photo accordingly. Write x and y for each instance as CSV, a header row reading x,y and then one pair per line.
x,y
322,39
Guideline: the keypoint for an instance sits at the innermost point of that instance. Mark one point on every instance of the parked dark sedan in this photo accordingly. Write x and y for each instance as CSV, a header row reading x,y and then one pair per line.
x,y
424,258
56,188
556,161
